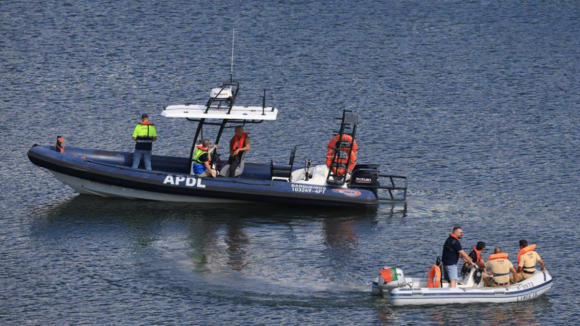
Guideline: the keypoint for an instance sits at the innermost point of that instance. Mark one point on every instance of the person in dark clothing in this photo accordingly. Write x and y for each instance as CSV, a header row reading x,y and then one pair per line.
x,y
451,251
475,256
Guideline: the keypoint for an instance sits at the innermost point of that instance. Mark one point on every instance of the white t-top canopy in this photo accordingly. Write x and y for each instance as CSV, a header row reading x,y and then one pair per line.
x,y
237,112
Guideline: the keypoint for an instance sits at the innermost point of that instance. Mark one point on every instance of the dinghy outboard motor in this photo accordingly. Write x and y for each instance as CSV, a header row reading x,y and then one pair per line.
x,y
477,275
389,279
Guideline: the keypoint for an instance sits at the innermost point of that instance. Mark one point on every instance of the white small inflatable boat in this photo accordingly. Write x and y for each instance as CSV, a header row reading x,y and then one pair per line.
x,y
415,291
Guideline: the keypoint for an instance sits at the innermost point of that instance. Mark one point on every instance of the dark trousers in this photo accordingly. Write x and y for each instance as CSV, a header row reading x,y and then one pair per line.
x,y
234,162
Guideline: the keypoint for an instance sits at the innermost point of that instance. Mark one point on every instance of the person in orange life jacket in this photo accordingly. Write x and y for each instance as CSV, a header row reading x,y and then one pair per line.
x,y
239,147
500,268
144,136
475,256
451,251
59,146
201,162
496,250
527,259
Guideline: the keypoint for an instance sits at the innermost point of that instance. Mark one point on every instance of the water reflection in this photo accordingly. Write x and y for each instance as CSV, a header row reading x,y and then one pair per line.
x,y
339,234
521,313
516,313
236,245
213,236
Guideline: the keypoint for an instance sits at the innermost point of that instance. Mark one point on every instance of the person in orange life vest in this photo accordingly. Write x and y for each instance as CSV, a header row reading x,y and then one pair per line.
x,y
239,147
500,268
201,162
59,147
451,251
475,256
144,136
527,259
496,250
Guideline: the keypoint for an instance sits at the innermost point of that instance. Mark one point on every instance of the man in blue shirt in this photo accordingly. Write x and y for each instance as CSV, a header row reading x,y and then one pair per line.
x,y
451,251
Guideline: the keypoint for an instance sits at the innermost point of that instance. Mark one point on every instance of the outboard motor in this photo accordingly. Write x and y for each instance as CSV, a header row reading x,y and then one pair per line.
x,y
477,276
389,279
473,277
364,178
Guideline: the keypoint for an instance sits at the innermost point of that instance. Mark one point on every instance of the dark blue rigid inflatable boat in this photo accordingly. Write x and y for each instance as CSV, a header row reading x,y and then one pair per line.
x,y
340,182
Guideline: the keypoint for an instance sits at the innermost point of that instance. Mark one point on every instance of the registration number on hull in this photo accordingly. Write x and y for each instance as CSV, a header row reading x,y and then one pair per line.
x,y
529,296
308,189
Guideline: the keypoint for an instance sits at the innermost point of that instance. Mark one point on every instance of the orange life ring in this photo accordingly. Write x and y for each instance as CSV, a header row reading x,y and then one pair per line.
x,y
498,256
525,250
345,137
434,280
342,170
353,151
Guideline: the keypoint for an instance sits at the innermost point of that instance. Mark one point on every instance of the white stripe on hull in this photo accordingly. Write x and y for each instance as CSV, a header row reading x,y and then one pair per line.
x,y
486,298
99,189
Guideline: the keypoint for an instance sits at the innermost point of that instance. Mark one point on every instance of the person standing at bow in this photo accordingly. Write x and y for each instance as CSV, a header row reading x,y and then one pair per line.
x,y
451,251
144,136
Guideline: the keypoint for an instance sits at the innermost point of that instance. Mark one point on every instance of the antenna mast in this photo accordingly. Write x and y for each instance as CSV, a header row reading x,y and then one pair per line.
x,y
233,42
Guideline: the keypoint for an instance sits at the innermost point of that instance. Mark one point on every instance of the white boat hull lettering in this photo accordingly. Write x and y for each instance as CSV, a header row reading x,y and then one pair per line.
x,y
183,181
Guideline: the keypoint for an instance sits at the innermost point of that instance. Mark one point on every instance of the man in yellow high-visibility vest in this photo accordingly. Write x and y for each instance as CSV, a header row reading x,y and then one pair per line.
x,y
144,136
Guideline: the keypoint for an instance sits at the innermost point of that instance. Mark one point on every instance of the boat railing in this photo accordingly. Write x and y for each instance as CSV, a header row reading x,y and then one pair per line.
x,y
395,186
338,169
283,172
389,188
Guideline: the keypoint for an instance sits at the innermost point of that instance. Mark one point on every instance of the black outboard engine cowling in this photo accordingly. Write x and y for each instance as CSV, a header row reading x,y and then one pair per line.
x,y
365,178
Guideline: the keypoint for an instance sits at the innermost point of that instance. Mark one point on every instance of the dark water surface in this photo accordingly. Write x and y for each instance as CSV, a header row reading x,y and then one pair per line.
x,y
476,101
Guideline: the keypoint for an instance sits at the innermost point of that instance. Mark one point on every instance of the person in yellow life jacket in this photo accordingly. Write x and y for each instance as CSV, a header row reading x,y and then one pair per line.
x,y
500,268
144,136
201,163
527,259
239,147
